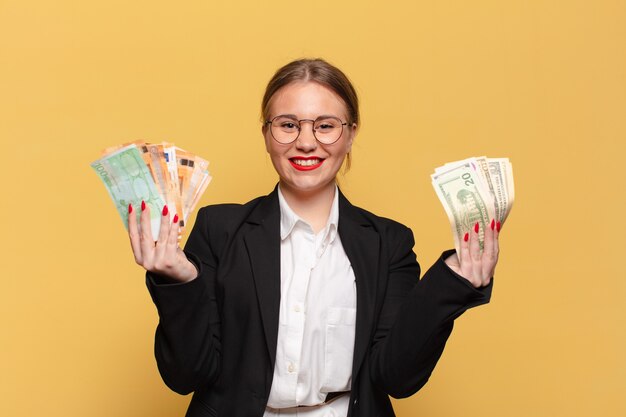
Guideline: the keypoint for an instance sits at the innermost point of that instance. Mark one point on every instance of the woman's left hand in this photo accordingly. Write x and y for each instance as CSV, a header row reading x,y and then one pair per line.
x,y
478,268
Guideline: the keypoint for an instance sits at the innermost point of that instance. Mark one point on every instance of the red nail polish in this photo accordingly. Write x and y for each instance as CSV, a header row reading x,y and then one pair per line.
x,y
165,210
476,227
175,219
466,237
493,223
498,226
130,208
143,205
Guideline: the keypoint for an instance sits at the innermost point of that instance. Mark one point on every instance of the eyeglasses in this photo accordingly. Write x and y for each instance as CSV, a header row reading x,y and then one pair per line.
x,y
286,129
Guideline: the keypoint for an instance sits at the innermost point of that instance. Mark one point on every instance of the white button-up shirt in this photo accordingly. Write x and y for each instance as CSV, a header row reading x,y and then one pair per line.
x,y
317,318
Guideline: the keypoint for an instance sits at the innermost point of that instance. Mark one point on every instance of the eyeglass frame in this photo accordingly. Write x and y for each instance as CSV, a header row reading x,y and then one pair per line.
x,y
269,122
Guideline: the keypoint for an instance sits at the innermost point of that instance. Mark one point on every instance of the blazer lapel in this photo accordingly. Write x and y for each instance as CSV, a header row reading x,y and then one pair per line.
x,y
263,246
361,243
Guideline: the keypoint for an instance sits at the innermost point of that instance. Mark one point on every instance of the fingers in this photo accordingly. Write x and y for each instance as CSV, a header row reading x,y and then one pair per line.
x,y
476,265
496,246
166,248
160,246
489,254
133,234
464,256
472,257
165,227
167,245
163,256
496,241
172,240
475,243
475,255
146,240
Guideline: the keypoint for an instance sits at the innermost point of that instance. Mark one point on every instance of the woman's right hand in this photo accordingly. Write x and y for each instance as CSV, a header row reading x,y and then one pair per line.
x,y
163,256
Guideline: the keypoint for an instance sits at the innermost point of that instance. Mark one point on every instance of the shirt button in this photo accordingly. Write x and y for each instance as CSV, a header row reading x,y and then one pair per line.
x,y
291,368
296,308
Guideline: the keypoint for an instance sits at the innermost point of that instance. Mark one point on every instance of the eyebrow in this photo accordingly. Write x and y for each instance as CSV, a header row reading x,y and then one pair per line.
x,y
294,117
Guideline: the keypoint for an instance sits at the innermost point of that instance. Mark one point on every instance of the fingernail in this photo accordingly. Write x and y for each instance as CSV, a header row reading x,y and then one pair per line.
x,y
130,208
466,237
143,205
498,226
175,219
165,210
493,223
476,227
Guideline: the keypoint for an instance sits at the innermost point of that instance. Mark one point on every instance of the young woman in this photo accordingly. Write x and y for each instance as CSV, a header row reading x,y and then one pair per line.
x,y
299,303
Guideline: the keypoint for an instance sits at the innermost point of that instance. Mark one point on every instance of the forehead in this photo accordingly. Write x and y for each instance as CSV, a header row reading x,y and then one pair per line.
x,y
306,100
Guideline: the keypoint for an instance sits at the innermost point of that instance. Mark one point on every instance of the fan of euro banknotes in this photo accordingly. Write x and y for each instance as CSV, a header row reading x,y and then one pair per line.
x,y
157,173
475,190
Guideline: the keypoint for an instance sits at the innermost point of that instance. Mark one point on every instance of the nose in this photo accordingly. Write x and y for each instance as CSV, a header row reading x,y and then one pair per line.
x,y
306,141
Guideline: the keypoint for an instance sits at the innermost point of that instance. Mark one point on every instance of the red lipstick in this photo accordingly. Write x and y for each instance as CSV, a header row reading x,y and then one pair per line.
x,y
294,163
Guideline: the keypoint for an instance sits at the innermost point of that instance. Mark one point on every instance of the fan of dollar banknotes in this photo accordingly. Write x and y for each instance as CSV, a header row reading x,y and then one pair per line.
x,y
158,174
475,190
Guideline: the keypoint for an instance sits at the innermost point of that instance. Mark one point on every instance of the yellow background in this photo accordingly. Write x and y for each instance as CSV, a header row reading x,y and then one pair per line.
x,y
540,82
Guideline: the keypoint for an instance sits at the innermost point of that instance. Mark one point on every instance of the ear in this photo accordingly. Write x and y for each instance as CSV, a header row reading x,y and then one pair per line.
x,y
353,131
265,132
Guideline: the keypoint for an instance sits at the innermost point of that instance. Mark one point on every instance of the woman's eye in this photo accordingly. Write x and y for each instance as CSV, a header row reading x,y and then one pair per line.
x,y
325,126
288,125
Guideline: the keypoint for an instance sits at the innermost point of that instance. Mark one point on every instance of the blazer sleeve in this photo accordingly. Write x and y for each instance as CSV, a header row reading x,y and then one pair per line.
x,y
187,341
416,319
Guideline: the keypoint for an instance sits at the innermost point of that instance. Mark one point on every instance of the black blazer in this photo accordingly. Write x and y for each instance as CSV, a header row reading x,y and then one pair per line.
x,y
217,334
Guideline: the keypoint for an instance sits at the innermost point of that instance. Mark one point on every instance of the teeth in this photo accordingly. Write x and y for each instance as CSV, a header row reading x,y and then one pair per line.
x,y
306,162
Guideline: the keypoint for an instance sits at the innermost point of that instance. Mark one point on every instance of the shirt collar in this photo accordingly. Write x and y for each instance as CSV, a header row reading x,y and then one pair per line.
x,y
289,219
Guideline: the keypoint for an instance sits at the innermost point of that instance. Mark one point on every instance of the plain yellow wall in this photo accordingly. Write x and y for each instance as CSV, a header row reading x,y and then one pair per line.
x,y
540,82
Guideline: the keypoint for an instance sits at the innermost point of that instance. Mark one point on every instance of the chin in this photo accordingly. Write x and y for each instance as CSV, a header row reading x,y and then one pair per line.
x,y
304,185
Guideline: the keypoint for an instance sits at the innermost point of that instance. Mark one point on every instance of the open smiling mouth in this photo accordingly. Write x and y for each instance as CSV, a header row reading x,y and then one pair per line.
x,y
306,164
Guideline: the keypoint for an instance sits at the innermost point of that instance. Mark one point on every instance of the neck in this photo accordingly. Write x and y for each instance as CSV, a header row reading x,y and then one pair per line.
x,y
312,206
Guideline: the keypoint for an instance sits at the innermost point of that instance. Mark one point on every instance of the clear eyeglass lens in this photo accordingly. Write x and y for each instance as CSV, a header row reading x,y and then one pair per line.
x,y
285,129
328,130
